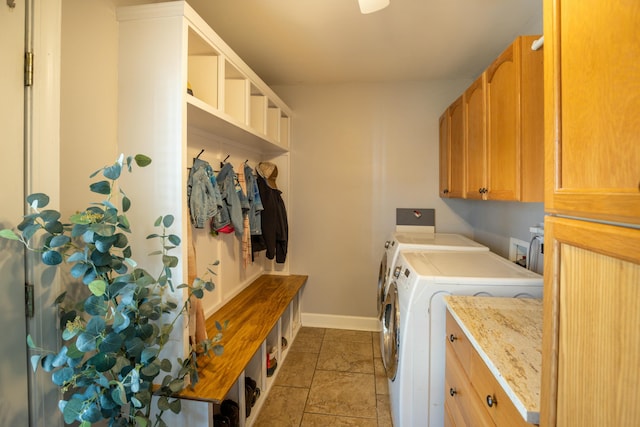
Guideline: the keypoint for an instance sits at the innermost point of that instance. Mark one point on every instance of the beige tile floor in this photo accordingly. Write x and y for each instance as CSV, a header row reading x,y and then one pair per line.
x,y
331,377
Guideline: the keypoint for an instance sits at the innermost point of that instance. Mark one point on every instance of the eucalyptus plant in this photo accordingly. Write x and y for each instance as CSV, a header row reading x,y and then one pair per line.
x,y
110,365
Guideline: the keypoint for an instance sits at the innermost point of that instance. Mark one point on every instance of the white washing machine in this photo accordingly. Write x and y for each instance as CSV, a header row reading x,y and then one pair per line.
x,y
414,322
417,240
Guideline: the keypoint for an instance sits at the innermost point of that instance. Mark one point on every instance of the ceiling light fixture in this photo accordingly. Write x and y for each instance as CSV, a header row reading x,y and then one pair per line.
x,y
369,6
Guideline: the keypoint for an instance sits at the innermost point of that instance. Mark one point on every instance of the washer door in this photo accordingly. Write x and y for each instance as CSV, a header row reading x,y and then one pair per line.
x,y
382,284
391,331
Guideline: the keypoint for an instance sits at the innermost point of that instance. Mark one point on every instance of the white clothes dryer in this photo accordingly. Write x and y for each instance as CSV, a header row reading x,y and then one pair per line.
x,y
414,322
417,240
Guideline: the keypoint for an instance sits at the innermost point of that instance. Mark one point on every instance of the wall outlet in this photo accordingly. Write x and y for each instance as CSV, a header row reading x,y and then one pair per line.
x,y
518,250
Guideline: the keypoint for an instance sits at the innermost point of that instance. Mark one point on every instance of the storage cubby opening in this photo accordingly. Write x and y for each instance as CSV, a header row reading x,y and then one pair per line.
x,y
284,131
273,121
258,110
236,93
286,328
202,69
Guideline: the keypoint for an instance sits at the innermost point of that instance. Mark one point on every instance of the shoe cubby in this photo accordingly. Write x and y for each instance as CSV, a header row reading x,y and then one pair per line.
x,y
286,330
296,319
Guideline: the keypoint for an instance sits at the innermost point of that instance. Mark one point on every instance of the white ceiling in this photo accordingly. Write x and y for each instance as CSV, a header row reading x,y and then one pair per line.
x,y
330,41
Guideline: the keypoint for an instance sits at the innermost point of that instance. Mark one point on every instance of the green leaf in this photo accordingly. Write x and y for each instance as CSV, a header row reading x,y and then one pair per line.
x,y
158,222
34,361
112,172
120,321
167,221
95,306
80,218
126,204
38,200
51,258
163,403
170,261
30,342
119,395
50,215
29,231
150,370
73,352
86,342
142,160
165,365
140,420
105,230
102,361
58,241
61,358
8,234
98,287
54,227
100,187
72,411
149,354
175,406
176,385
61,376
174,239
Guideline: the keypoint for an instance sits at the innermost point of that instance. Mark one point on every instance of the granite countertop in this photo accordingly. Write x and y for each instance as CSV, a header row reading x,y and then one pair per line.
x,y
507,334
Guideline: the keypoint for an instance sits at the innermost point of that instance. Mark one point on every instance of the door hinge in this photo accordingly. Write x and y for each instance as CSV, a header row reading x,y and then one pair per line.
x,y
28,300
28,68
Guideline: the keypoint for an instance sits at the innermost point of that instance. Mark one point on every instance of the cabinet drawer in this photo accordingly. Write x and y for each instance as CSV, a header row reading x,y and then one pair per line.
x,y
492,396
459,343
465,407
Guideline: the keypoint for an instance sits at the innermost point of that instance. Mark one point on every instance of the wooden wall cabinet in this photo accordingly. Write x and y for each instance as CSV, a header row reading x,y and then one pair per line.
x,y
515,125
593,102
503,128
452,151
591,345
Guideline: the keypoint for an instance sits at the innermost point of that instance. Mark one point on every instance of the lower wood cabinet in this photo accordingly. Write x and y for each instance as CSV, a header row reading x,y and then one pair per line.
x,y
473,396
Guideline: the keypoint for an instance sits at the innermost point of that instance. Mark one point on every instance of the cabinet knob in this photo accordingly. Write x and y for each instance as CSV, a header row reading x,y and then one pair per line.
x,y
452,338
445,191
452,391
491,400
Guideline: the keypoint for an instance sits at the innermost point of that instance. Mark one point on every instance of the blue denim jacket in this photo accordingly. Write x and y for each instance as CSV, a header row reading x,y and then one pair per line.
x,y
233,197
204,197
255,204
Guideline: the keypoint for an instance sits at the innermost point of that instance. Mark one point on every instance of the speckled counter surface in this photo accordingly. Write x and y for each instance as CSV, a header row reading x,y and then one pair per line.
x,y
507,334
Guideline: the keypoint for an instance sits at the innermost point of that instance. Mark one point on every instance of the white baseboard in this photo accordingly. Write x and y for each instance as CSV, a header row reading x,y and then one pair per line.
x,y
356,323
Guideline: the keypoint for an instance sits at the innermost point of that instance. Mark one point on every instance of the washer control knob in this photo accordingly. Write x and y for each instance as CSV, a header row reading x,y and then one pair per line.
x,y
386,244
396,272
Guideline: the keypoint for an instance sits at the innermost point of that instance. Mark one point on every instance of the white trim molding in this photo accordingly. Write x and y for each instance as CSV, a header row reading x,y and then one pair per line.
x,y
356,323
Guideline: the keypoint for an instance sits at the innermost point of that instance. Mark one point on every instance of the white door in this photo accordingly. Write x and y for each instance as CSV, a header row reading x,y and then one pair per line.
x,y
14,409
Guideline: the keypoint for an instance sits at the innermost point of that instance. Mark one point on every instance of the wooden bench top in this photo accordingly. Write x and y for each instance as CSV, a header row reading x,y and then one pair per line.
x,y
252,314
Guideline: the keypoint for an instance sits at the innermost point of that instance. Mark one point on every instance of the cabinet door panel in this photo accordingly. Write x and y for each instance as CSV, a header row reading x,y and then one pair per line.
x,y
503,112
593,109
475,141
444,156
456,151
591,349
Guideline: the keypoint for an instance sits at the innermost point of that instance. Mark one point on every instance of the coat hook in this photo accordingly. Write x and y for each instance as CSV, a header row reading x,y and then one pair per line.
x,y
11,3
200,153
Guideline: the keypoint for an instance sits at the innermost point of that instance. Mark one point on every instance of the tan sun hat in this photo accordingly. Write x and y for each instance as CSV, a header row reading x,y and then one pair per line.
x,y
269,172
